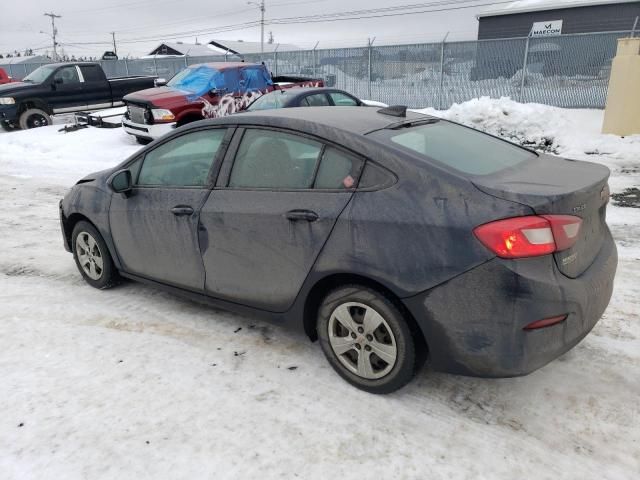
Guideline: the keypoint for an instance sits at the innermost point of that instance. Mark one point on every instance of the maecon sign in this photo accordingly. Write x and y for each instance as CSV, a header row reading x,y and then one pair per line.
x,y
547,29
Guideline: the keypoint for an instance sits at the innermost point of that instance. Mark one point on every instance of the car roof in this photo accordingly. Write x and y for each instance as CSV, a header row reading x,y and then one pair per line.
x,y
226,65
295,91
67,64
323,121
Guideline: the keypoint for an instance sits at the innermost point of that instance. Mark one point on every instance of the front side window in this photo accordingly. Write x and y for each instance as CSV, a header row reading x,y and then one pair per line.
x,y
342,100
182,162
269,101
317,100
268,159
67,75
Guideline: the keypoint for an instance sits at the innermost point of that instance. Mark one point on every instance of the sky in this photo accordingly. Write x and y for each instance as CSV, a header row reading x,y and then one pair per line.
x,y
140,25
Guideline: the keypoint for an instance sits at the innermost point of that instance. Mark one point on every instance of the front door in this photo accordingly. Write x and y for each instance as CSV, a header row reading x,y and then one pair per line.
x,y
266,224
155,229
69,94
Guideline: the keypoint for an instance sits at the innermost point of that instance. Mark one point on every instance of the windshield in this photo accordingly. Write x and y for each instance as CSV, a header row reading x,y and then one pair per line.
x,y
463,149
198,80
269,101
40,74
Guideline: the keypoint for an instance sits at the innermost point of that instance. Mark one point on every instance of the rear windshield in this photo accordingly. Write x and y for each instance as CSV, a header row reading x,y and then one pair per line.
x,y
463,149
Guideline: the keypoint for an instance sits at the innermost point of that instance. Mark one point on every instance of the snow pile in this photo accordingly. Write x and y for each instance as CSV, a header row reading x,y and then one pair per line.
x,y
570,133
46,152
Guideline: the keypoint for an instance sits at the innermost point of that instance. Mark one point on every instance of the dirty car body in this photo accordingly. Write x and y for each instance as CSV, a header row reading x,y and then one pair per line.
x,y
410,224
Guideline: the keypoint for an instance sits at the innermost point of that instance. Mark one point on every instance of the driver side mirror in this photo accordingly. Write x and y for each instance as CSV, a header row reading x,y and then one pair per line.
x,y
160,82
121,182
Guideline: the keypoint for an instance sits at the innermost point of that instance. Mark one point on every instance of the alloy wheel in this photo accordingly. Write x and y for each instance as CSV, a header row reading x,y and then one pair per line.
x,y
362,340
89,255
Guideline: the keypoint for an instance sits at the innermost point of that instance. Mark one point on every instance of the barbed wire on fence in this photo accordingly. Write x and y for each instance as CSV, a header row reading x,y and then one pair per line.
x,y
564,71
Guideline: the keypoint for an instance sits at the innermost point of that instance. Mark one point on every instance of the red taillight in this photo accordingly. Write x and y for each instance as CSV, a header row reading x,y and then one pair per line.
x,y
545,322
529,236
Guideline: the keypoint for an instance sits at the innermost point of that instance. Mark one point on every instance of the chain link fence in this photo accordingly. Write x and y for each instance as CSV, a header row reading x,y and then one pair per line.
x,y
564,71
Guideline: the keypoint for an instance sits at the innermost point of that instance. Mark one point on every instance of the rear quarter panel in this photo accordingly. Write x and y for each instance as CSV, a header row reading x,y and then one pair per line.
x,y
415,234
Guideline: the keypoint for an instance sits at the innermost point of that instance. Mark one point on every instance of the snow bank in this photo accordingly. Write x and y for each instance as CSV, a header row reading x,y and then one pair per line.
x,y
63,157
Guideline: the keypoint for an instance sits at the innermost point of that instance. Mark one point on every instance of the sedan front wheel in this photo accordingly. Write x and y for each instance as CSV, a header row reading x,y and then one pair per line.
x,y
92,256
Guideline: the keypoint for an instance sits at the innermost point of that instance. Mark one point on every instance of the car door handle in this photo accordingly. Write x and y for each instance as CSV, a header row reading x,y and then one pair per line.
x,y
301,216
181,210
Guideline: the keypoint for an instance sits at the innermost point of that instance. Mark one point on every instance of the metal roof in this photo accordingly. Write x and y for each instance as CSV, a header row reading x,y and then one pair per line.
x,y
186,49
526,6
241,47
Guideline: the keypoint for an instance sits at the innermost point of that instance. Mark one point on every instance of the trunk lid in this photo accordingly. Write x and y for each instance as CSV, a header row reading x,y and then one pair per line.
x,y
552,185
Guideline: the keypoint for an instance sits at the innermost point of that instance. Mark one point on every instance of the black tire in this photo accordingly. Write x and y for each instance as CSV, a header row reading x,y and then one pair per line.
x,y
143,141
34,118
108,274
8,126
406,360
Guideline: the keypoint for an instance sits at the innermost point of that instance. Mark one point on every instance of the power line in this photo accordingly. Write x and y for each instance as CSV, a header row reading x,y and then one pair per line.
x,y
322,18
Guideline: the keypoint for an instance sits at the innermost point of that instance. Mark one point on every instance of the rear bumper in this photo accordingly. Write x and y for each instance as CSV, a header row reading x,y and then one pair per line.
x,y
147,131
474,323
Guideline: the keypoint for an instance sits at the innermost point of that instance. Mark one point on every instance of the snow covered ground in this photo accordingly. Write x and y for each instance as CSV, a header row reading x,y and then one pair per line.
x,y
135,383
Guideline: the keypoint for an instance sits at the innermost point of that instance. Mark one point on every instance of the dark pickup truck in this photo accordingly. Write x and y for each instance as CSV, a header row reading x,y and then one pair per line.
x,y
206,90
62,88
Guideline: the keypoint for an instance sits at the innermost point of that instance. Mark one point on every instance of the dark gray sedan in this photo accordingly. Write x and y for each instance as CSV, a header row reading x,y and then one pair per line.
x,y
308,97
389,236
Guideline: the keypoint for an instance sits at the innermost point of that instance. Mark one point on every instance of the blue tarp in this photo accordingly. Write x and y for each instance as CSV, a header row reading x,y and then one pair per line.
x,y
202,79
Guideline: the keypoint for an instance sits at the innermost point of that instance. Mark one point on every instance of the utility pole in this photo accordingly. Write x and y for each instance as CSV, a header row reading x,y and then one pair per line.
x,y
261,7
55,32
115,49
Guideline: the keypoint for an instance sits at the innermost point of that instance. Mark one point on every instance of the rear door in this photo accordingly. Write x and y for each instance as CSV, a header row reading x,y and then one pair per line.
x,y
155,229
96,87
277,199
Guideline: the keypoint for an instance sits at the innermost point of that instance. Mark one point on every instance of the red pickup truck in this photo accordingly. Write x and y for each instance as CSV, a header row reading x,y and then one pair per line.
x,y
206,90
4,78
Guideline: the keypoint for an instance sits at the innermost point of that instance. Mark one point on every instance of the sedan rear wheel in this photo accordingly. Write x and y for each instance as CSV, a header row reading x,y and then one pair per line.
x,y
366,338
362,340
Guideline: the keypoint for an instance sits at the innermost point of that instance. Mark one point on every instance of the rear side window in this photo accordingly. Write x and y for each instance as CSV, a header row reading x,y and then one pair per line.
x,y
337,170
463,149
254,78
342,100
318,100
91,73
268,159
